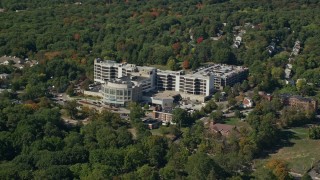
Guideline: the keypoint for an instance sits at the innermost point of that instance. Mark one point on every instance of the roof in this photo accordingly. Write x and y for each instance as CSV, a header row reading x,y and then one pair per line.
x,y
223,128
300,98
166,94
13,58
221,70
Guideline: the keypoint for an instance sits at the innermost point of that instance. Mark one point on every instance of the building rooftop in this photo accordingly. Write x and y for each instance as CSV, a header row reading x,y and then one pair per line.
x,y
224,129
221,70
166,94
300,98
15,59
168,72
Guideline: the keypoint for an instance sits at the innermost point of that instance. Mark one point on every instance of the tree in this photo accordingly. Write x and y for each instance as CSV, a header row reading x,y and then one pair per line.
x,y
186,64
306,176
245,85
217,116
71,107
279,169
70,90
146,172
224,56
232,101
210,106
314,132
217,96
171,64
181,117
135,157
277,72
200,165
136,112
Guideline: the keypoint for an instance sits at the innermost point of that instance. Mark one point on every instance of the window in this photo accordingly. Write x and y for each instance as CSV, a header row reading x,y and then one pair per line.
x,y
112,91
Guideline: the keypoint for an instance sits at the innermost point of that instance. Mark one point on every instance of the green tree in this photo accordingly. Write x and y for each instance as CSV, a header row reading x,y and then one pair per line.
x,y
171,64
136,112
71,108
200,165
181,117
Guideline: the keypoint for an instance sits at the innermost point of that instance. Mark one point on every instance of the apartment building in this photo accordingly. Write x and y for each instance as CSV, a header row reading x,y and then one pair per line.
x,y
299,102
200,83
105,70
168,80
224,75
196,84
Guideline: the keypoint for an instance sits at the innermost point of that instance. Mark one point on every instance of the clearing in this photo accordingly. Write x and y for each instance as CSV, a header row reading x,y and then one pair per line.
x,y
301,152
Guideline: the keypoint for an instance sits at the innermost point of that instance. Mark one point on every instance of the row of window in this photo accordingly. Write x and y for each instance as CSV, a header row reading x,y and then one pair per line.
x,y
118,92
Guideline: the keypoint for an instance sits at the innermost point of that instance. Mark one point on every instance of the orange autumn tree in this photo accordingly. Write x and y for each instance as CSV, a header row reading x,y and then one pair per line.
x,y
279,168
186,64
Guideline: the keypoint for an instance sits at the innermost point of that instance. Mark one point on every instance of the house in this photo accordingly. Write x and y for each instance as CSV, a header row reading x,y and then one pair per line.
x,y
247,102
265,96
271,48
31,63
5,60
289,82
224,129
239,38
4,76
287,73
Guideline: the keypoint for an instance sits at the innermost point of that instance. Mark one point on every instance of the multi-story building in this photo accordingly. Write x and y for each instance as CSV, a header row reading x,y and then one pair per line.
x,y
108,70
120,91
201,82
224,75
299,102
168,80
196,84
164,116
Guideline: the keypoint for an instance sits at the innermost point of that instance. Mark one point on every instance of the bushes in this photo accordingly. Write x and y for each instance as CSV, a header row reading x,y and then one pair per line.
x,y
314,132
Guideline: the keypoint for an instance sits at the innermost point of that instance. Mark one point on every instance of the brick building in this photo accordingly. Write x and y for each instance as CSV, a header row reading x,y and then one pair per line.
x,y
299,102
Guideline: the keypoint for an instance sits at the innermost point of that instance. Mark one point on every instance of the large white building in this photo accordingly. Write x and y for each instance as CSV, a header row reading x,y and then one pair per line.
x,y
120,91
196,84
223,75
120,78
108,70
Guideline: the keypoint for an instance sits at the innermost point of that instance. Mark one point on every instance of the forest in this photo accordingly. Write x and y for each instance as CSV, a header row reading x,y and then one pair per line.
x,y
65,37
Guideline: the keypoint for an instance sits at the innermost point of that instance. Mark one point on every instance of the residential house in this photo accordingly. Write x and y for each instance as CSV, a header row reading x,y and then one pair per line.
x,y
4,76
247,102
224,129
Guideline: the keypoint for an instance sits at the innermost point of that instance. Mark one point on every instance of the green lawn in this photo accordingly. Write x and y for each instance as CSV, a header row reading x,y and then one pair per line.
x,y
156,132
236,122
302,152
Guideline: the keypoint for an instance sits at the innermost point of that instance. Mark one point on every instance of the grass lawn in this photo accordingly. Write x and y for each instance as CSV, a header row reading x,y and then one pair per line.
x,y
156,132
301,153
236,122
